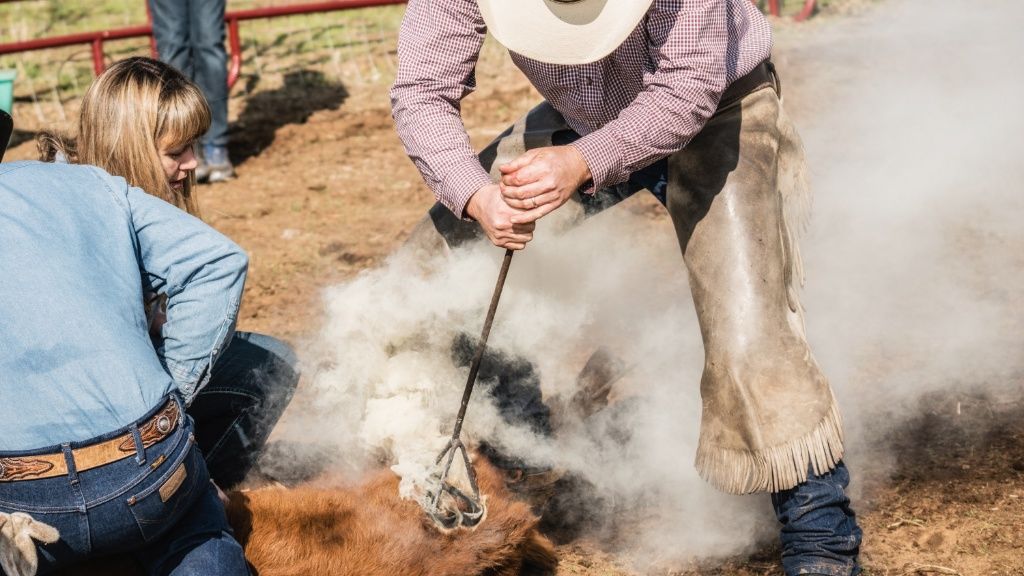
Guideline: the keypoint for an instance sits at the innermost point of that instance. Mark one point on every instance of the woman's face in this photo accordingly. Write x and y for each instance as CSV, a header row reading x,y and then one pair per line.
x,y
177,163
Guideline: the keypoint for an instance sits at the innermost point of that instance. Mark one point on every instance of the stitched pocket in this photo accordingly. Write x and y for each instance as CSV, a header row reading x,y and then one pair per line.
x,y
166,500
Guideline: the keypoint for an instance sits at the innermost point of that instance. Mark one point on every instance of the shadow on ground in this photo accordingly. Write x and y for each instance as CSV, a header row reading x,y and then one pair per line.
x,y
19,137
303,93
969,434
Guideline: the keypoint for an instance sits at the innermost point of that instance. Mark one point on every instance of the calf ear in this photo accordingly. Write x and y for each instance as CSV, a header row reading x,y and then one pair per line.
x,y
6,129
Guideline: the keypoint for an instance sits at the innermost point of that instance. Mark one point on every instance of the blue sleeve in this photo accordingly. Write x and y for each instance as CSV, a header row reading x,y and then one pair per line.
x,y
202,272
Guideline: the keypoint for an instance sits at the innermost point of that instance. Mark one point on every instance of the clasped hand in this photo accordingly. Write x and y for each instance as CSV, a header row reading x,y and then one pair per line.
x,y
531,186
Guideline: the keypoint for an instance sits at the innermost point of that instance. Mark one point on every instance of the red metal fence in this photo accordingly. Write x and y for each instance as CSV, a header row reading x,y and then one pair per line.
x,y
775,9
96,39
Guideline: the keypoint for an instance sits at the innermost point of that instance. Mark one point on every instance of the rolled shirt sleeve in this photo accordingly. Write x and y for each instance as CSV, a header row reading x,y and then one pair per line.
x,y
439,43
202,272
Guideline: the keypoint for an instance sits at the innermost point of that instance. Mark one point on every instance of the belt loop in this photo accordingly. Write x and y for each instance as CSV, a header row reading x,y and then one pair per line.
x,y
69,461
140,450
179,402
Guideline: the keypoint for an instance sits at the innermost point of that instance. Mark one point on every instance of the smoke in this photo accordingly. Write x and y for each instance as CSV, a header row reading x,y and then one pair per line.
x,y
392,387
914,254
913,259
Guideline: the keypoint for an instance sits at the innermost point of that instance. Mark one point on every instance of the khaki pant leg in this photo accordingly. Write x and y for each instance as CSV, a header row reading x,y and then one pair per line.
x,y
768,412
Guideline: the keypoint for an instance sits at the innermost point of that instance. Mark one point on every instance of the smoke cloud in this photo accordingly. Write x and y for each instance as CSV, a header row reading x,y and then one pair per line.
x,y
913,258
915,248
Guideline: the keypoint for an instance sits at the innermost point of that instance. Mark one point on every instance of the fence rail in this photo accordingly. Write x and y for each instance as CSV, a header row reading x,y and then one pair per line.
x,y
232,19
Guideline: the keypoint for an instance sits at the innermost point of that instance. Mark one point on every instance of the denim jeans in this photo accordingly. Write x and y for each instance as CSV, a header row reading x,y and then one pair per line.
x,y
819,530
190,36
249,388
158,504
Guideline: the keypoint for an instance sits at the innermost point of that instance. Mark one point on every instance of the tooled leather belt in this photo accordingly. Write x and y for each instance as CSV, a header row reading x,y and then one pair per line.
x,y
39,466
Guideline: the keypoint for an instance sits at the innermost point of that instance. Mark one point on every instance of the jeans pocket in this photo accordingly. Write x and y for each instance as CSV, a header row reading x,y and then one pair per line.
x,y
165,501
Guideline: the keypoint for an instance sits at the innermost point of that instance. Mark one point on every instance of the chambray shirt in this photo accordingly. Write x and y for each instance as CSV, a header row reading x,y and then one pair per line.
x,y
77,249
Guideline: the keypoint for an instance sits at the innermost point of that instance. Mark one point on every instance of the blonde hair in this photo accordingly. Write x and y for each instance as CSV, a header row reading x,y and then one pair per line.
x,y
128,113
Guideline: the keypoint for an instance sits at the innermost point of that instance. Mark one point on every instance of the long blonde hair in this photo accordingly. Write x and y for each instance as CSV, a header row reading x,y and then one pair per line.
x,y
130,111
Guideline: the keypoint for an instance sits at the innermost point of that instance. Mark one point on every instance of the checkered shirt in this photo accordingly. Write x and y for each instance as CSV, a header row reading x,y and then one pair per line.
x,y
644,101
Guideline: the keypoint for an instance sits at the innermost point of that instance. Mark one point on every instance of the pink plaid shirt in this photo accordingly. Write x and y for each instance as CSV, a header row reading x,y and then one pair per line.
x,y
644,101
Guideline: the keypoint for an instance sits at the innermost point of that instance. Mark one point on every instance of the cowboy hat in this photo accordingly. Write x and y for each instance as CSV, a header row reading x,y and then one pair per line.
x,y
562,31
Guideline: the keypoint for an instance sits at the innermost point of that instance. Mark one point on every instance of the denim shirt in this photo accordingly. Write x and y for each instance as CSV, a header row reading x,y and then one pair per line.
x,y
77,249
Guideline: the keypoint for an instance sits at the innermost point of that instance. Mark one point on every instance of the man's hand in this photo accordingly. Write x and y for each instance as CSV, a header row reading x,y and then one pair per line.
x,y
541,180
489,209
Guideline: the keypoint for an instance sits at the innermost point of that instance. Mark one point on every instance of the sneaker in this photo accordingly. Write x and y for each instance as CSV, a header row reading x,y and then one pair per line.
x,y
202,170
214,164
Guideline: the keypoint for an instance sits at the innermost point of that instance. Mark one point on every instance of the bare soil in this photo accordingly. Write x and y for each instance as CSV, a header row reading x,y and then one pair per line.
x,y
325,190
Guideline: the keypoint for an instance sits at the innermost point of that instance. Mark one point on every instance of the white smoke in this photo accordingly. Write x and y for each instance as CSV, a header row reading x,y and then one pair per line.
x,y
616,282
915,250
913,259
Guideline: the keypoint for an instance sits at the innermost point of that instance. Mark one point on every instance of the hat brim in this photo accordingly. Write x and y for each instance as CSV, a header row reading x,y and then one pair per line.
x,y
577,32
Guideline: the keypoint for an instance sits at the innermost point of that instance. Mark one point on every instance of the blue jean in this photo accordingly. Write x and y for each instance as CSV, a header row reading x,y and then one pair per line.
x,y
819,530
190,36
158,504
249,388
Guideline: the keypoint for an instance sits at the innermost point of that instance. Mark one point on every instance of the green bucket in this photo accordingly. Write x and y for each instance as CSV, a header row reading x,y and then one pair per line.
x,y
7,89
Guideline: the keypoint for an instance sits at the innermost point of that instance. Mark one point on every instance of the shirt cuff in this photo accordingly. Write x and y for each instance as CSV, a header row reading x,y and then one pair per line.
x,y
456,190
601,154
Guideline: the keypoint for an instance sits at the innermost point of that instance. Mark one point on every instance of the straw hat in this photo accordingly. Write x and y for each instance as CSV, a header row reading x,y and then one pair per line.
x,y
562,31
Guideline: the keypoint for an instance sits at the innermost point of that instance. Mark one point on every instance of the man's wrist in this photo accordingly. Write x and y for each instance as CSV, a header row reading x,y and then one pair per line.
x,y
472,208
600,154
582,168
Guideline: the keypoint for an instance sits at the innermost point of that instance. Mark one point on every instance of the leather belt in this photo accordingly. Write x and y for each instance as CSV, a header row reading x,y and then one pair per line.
x,y
761,76
39,466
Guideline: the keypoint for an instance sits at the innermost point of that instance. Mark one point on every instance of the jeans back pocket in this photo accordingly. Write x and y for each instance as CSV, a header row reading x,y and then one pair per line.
x,y
166,500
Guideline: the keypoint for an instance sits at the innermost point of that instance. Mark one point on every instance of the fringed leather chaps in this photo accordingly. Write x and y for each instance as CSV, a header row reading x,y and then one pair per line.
x,y
737,198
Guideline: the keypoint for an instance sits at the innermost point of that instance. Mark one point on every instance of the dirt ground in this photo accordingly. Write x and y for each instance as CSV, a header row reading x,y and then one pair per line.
x,y
324,190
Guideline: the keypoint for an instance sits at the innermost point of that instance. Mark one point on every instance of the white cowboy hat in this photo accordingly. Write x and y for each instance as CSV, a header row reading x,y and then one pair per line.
x,y
562,31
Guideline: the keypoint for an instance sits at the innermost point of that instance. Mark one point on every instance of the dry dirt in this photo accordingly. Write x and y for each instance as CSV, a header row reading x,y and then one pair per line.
x,y
324,190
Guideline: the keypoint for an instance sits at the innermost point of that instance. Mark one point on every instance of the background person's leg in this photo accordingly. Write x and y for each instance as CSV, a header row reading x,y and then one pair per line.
x,y
171,31
206,28
250,386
